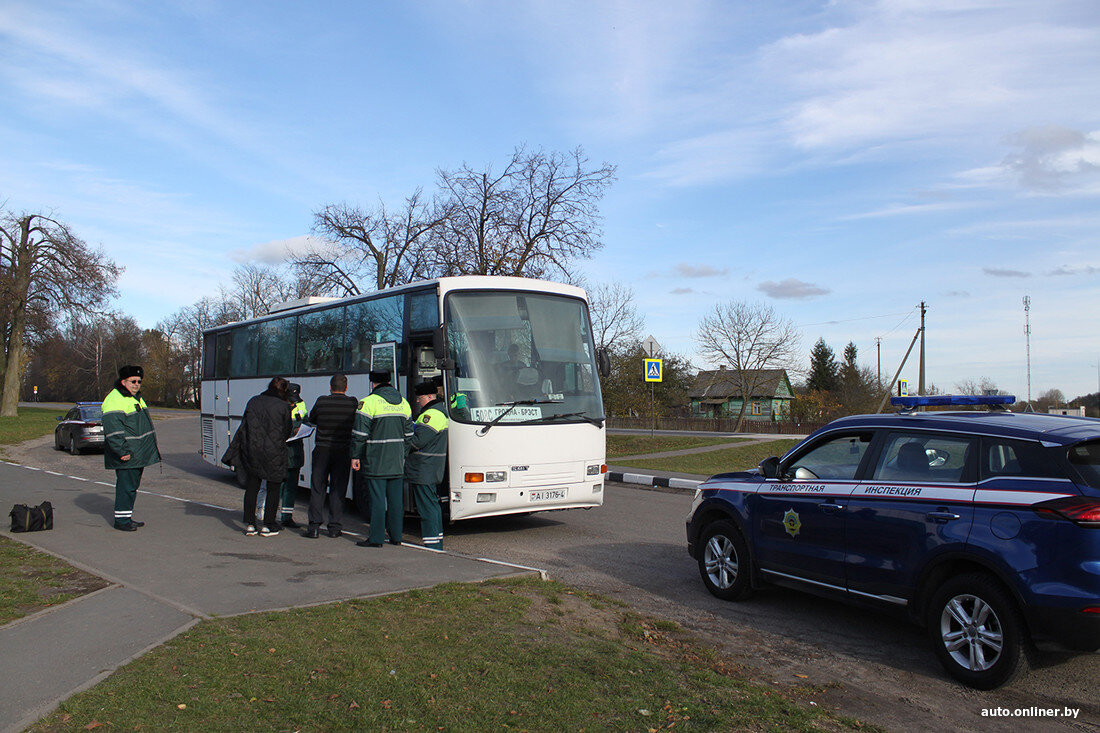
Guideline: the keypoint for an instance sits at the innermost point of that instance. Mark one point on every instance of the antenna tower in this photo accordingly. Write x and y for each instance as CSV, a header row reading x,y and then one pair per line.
x,y
1027,336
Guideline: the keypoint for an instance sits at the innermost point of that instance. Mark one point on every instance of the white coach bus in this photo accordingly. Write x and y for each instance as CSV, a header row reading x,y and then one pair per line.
x,y
516,358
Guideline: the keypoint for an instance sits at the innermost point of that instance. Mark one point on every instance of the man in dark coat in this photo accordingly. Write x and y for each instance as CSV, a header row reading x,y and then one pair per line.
x,y
333,415
129,442
263,453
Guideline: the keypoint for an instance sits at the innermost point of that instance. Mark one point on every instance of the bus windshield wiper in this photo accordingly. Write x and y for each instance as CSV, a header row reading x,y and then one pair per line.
x,y
592,420
511,406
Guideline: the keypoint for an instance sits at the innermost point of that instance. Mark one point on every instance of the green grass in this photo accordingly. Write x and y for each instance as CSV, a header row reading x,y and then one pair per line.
x,y
504,655
717,461
636,444
32,422
32,580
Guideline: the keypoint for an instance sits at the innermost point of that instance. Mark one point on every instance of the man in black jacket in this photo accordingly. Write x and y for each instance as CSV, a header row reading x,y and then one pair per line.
x,y
333,415
263,453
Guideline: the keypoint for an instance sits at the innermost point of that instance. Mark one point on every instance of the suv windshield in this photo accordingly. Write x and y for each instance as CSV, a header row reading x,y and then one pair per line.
x,y
533,349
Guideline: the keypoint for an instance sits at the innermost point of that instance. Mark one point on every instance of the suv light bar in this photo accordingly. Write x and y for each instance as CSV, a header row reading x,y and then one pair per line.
x,y
930,400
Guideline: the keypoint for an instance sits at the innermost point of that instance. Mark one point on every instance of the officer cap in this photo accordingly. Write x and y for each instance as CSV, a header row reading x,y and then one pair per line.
x,y
425,388
131,371
380,377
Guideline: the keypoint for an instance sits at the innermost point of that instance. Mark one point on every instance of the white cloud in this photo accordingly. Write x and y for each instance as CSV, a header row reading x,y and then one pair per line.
x,y
791,289
908,209
1004,272
908,69
684,269
278,251
874,80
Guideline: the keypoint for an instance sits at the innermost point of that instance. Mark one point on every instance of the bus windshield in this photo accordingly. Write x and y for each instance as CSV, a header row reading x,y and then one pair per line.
x,y
528,348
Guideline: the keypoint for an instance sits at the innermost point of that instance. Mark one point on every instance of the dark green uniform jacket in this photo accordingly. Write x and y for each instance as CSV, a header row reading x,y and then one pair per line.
x,y
383,425
429,446
295,451
128,431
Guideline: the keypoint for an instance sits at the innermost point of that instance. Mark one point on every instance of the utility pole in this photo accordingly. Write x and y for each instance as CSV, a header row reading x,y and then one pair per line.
x,y
1027,336
878,360
920,378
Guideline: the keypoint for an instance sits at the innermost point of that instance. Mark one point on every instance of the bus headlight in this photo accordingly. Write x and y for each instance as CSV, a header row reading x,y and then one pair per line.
x,y
495,476
596,469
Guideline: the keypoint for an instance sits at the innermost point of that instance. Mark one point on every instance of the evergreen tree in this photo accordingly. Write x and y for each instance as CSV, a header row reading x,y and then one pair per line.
x,y
823,368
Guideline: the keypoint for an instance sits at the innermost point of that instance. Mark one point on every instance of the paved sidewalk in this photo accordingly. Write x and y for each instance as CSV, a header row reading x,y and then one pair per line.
x,y
190,562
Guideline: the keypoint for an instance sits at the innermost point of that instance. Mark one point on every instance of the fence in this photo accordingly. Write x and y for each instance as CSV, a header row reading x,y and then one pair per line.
x,y
713,424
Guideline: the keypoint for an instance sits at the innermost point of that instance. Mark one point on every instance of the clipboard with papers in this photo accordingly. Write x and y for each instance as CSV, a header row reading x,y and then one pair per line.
x,y
304,431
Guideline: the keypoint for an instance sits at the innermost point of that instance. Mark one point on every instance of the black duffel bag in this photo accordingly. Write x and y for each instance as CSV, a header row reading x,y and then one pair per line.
x,y
31,518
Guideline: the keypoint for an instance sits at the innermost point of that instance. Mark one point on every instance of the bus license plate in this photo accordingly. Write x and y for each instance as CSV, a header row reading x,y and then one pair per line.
x,y
548,495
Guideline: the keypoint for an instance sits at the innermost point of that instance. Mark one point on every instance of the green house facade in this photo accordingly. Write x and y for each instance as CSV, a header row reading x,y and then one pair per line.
x,y
717,393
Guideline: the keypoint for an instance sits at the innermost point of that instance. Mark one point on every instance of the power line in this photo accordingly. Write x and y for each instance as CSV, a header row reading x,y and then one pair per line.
x,y
850,320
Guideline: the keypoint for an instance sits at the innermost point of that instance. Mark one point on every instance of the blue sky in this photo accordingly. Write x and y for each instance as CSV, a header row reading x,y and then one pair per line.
x,y
841,161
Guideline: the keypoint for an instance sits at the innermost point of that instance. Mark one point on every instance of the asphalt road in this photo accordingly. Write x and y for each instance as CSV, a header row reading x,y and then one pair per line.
x,y
865,664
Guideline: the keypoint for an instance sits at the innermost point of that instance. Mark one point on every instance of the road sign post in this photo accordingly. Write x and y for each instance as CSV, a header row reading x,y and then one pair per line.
x,y
654,372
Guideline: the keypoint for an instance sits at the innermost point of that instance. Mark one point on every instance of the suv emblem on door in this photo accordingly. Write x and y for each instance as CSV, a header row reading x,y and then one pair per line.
x,y
791,522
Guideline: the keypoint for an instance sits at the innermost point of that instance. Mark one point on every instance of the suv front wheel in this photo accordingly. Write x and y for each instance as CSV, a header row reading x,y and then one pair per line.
x,y
724,561
977,632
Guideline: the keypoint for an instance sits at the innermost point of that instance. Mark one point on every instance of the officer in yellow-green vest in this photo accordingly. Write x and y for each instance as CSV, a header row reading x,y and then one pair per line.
x,y
383,425
424,465
130,443
296,454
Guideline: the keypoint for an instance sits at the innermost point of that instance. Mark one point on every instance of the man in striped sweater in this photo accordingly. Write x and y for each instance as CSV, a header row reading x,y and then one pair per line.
x,y
333,415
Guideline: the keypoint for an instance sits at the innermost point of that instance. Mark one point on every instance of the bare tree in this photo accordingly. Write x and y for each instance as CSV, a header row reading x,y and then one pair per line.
x,y
616,322
183,331
1050,398
533,219
983,386
256,288
368,249
750,337
44,269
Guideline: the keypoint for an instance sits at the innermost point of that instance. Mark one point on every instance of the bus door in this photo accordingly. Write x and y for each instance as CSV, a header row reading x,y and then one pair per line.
x,y
421,367
223,427
215,398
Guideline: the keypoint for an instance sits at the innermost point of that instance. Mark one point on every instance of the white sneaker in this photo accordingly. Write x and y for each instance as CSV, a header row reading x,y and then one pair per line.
x,y
250,530
266,531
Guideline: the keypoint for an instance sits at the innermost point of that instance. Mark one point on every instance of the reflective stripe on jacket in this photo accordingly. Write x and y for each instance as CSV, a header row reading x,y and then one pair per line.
x,y
128,431
425,464
383,425
295,451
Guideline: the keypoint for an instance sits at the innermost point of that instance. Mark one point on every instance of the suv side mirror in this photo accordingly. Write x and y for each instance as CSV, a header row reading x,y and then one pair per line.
x,y
769,467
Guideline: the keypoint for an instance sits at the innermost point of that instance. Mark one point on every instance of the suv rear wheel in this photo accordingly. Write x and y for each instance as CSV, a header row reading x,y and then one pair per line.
x,y
977,633
724,561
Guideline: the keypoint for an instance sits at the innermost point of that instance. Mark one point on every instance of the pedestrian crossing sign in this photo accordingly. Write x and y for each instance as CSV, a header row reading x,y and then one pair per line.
x,y
653,370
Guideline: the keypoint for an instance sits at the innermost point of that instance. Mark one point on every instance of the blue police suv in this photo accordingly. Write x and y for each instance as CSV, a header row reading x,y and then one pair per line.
x,y
984,526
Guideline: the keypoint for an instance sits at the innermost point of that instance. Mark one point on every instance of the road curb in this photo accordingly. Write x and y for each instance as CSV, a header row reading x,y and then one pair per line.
x,y
647,480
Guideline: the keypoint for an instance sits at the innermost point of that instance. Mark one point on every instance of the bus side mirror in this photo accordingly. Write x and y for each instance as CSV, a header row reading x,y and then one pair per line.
x,y
439,346
603,362
769,467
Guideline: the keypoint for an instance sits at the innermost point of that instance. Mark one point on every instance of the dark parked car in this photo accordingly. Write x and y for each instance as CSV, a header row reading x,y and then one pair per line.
x,y
80,428
983,526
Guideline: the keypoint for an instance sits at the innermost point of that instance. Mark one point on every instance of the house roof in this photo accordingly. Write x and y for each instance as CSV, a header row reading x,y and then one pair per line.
x,y
719,385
